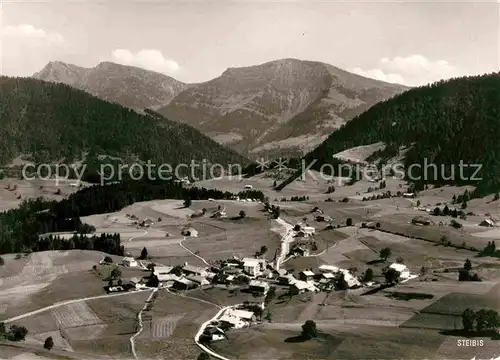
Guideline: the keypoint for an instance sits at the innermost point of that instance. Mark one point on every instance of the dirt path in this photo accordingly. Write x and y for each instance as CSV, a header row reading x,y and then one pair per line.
x,y
138,236
286,239
141,326
192,253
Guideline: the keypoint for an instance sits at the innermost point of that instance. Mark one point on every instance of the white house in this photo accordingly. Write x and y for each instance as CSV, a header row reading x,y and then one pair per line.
x,y
309,230
259,286
190,232
487,223
248,187
242,314
162,270
402,269
328,269
351,280
251,266
306,275
129,261
214,333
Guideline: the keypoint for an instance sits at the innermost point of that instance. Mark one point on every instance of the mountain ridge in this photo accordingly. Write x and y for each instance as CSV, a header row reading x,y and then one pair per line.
x,y
128,86
256,103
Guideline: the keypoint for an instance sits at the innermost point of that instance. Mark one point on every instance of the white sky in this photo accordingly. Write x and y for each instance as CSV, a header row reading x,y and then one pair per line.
x,y
406,42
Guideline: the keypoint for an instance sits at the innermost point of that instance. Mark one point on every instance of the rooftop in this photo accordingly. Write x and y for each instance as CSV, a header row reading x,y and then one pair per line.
x,y
242,314
399,267
258,283
193,269
329,268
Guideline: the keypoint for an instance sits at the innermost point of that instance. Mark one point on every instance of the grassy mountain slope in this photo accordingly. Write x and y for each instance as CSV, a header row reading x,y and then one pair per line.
x,y
129,86
444,123
284,105
55,121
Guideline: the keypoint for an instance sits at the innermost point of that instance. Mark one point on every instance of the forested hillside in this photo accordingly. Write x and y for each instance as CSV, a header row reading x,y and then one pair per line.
x,y
445,123
20,228
51,122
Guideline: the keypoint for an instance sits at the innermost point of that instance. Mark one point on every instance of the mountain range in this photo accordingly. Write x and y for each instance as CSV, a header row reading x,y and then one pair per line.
x,y
128,86
283,107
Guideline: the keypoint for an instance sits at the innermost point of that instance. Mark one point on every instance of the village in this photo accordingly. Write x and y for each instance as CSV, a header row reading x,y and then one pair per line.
x,y
215,273
259,279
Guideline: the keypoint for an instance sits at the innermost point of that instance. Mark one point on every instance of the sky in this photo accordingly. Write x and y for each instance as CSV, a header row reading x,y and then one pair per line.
x,y
411,43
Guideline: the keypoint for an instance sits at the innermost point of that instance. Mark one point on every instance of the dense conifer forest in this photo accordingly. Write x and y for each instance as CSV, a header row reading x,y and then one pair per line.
x,y
20,228
49,122
445,123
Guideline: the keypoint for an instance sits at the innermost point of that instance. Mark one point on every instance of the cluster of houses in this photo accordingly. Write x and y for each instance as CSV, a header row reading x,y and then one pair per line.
x,y
314,282
145,223
186,277
232,318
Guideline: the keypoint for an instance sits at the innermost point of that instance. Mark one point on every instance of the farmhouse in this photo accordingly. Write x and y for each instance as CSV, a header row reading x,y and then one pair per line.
x,y
167,280
351,280
259,287
242,314
129,261
253,266
299,287
328,269
306,231
194,270
213,333
233,321
487,223
286,279
327,276
402,269
421,220
183,284
189,232
300,251
306,275
162,270
198,280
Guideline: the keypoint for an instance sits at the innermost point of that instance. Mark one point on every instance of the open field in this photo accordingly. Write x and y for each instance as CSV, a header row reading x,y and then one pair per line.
x,y
46,278
176,320
31,189
340,342
100,326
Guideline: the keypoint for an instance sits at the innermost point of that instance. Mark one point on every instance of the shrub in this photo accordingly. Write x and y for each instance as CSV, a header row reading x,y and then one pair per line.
x,y
49,343
309,330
